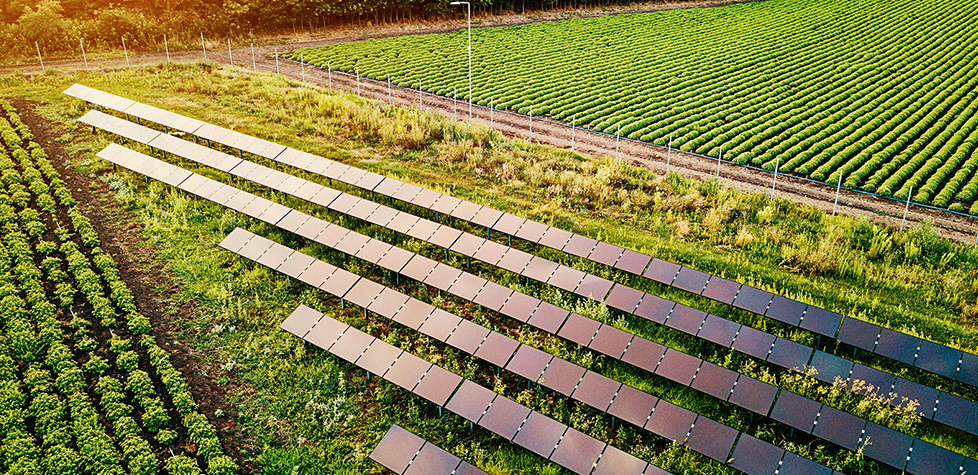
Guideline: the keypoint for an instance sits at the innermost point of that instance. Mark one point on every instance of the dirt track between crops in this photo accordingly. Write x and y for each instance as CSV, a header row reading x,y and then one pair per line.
x,y
820,196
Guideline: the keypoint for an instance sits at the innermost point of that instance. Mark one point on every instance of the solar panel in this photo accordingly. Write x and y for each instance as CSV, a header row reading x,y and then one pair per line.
x,y
937,359
465,244
316,273
373,250
413,313
671,421
369,181
644,354
466,468
396,450
839,427
577,452
756,457
467,286
497,349
508,224
859,333
407,371
379,357
610,341
433,460
714,380
886,445
407,192
662,271
444,236
301,320
632,405
351,345
929,459
471,401
654,308
382,216
490,252
326,332
686,319
968,373
796,411
632,262
539,434
786,310
442,276
339,282
531,231
419,267
555,238
624,298
604,253
566,278
718,330
712,439
548,317
752,300
529,362
721,290
325,197
881,382
789,354
363,292
678,366
486,217
439,324
579,246
579,329
423,229
753,395
596,390
691,280
514,260
274,256
562,376
493,296
540,269
614,461
468,336
465,210
925,396
504,417
295,264
753,342
437,385
388,303
520,306
829,367
793,464
898,346
425,198
361,210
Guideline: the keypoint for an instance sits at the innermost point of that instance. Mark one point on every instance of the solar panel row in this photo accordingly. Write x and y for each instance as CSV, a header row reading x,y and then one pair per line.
x,y
746,392
407,454
610,341
939,359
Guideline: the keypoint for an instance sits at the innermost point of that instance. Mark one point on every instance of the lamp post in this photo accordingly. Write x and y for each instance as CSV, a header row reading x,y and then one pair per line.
x,y
469,8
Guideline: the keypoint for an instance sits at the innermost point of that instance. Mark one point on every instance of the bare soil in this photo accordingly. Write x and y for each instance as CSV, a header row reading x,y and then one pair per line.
x,y
152,286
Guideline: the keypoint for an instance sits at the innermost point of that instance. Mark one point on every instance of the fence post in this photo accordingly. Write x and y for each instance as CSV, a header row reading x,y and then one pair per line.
x,y
203,46
166,46
254,67
230,58
82,43
837,189
43,71
907,208
124,50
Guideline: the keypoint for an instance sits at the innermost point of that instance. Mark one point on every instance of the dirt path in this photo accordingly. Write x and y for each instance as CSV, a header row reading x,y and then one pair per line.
x,y
818,195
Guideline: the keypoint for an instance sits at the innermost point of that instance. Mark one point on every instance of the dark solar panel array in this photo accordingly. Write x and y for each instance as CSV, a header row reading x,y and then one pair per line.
x,y
610,341
404,453
407,454
939,359
749,393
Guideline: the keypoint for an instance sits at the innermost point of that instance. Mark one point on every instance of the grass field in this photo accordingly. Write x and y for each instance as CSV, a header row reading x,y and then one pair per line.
x,y
306,412
879,93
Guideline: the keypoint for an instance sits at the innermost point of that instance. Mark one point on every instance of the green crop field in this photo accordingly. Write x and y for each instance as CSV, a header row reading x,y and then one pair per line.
x,y
881,93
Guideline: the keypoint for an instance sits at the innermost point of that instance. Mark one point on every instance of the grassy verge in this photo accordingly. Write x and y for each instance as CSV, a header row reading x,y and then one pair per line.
x,y
309,413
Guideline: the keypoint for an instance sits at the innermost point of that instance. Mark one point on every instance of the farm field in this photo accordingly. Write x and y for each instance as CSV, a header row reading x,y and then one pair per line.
x,y
301,410
879,94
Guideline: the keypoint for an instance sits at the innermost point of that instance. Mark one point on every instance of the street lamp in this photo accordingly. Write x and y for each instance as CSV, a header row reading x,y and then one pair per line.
x,y
469,6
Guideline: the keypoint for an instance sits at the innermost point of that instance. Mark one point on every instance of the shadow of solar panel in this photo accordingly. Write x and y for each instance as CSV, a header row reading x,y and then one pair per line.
x,y
514,260
859,333
686,319
926,397
604,253
468,336
388,303
788,354
594,287
753,395
632,405
786,310
662,271
721,290
897,346
379,357
491,252
610,341
539,434
870,380
529,362
471,401
579,329
520,306
718,330
396,450
714,380
577,452
407,371
395,259
829,367
678,366
691,280
712,439
624,298
643,353
437,385
555,238
579,246
504,417
540,269
793,464
548,317
508,224
562,376
497,349
445,236
467,286
654,308
301,320
363,292
886,445
493,296
616,462
929,459
756,457
531,231
486,217
839,427
671,421
419,267
566,278
796,411
752,300
968,373
439,324
351,345
633,262
753,342
596,390
442,276
938,359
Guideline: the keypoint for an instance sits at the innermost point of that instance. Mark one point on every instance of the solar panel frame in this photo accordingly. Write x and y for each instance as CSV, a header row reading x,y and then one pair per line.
x,y
577,452
562,376
632,405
